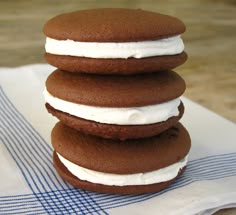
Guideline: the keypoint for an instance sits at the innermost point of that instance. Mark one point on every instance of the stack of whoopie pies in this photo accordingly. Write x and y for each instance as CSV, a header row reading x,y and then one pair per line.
x,y
117,99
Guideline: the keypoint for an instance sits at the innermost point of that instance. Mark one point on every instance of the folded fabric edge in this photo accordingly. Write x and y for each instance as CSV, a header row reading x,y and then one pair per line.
x,y
210,205
214,210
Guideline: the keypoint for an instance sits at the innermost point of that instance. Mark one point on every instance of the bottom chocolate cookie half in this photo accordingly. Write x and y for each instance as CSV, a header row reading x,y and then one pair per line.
x,y
131,189
116,66
111,131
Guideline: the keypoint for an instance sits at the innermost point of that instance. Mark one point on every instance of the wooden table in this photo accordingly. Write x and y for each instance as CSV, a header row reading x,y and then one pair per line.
x,y
210,71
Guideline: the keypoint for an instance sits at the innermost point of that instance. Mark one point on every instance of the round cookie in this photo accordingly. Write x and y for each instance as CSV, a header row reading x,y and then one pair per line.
x,y
114,157
118,107
116,91
114,41
113,25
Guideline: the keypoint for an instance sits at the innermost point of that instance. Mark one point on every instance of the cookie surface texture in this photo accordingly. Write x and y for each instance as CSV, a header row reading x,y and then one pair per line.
x,y
112,25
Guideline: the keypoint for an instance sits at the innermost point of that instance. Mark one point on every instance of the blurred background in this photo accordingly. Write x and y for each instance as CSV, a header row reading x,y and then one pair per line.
x,y
210,40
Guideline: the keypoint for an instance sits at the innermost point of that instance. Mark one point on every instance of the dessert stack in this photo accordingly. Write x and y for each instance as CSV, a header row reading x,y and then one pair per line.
x,y
117,99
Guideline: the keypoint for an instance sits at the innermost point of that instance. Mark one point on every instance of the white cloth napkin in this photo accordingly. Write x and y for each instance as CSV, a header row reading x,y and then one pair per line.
x,y
30,185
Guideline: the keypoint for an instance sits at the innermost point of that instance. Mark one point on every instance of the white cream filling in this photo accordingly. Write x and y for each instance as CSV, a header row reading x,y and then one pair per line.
x,y
167,46
157,176
118,116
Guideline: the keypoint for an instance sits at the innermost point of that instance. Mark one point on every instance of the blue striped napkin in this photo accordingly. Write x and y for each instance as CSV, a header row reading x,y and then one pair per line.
x,y
30,185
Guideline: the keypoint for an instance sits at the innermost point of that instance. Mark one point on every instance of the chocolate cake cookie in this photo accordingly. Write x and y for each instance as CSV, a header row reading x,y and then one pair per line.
x,y
118,107
115,166
114,41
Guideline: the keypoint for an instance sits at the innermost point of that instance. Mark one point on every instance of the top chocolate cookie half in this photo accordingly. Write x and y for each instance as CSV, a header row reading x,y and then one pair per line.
x,y
112,25
114,41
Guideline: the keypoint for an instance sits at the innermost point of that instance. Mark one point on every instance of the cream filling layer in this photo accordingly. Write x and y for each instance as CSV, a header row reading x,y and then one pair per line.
x,y
167,46
118,116
157,176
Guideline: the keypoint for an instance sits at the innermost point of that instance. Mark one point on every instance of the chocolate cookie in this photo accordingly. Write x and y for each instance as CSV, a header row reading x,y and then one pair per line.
x,y
114,41
116,66
112,25
115,91
120,158
120,107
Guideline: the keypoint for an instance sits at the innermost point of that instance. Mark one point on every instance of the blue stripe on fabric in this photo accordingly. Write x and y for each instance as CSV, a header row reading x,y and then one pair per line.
x,y
18,208
18,201
32,212
29,204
